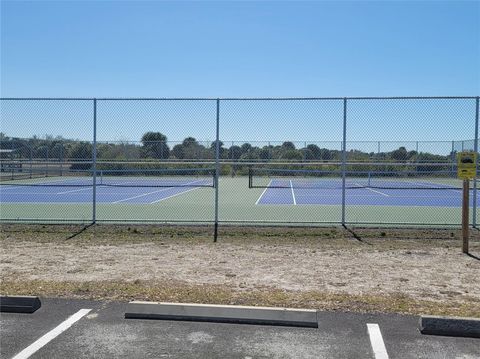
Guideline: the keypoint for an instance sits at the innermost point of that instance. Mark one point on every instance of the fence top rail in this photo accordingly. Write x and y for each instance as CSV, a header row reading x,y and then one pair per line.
x,y
233,98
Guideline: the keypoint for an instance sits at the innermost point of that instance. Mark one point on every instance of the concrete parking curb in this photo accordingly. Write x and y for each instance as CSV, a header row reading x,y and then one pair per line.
x,y
451,326
19,304
222,314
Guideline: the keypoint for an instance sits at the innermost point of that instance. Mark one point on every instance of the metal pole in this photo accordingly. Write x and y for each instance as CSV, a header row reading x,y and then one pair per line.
x,y
48,159
31,161
94,164
475,148
217,170
465,205
452,157
61,159
344,158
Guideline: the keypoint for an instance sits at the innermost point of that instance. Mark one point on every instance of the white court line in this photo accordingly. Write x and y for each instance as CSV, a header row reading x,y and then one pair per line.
x,y
55,332
376,340
35,184
293,194
265,190
383,194
76,190
148,193
174,195
434,184
372,190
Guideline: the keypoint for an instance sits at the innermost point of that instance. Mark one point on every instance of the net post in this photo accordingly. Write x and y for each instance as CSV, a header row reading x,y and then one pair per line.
x,y
217,168
465,224
475,148
250,174
344,158
94,163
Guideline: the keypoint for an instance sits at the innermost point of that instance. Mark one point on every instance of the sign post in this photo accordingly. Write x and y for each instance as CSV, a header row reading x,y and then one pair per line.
x,y
467,171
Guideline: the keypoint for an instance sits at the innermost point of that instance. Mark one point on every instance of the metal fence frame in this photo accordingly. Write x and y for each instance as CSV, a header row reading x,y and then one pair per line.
x,y
218,161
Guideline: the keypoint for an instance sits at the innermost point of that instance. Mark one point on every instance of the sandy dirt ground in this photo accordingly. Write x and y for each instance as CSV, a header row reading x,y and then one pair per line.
x,y
422,269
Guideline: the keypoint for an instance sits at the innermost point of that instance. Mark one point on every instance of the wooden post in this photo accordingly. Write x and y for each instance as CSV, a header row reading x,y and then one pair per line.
x,y
465,207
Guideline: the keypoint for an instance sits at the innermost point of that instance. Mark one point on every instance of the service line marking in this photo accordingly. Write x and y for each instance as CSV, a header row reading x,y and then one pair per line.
x,y
175,195
265,190
376,340
76,190
293,193
55,332
161,190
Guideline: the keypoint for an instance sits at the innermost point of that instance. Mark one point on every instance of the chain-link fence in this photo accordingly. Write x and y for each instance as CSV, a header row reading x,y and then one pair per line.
x,y
382,161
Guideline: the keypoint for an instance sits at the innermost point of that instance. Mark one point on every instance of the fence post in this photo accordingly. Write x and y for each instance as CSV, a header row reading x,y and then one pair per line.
x,y
217,170
94,162
452,157
344,158
475,146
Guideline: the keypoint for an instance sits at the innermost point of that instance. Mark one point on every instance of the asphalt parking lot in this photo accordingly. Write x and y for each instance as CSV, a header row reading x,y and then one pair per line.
x,y
103,332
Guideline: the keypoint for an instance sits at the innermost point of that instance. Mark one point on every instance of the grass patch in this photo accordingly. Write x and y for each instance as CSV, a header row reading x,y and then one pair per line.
x,y
181,292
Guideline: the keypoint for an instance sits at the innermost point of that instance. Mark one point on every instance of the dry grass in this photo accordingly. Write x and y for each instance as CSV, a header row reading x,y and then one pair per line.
x,y
396,244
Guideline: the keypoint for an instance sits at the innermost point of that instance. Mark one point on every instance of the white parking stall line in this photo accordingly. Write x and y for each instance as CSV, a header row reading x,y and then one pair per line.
x,y
376,340
55,332
265,190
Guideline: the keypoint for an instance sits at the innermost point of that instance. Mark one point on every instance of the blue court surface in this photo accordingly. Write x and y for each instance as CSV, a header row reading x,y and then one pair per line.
x,y
144,191
281,192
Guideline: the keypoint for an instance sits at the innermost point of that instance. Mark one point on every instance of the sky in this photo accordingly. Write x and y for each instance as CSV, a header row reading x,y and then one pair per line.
x,y
241,49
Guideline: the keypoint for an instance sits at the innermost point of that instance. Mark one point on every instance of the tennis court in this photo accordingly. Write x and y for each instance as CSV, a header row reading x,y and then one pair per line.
x,y
111,187
266,195
373,161
329,192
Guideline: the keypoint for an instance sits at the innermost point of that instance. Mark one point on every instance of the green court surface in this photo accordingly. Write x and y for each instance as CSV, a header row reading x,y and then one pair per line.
x,y
237,204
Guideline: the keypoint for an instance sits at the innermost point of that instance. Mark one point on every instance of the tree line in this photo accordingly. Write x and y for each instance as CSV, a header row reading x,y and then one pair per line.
x,y
155,146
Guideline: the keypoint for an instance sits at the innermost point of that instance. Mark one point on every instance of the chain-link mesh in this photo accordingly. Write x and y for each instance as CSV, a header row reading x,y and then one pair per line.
x,y
408,182
142,174
285,122
279,160
46,160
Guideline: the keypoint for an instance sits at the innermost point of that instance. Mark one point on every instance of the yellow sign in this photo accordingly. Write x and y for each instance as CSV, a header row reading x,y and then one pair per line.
x,y
467,165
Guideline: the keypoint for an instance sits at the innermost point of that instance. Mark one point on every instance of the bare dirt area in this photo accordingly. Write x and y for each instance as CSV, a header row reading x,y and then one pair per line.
x,y
367,269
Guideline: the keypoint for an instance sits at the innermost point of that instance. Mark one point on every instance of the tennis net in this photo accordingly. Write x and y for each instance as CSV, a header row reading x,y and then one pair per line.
x,y
173,177
333,179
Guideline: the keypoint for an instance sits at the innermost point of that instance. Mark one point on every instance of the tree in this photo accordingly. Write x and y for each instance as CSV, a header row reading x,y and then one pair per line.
x,y
288,145
178,152
315,150
57,151
264,153
326,154
400,154
192,149
307,154
246,147
292,155
213,148
155,145
234,152
81,151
